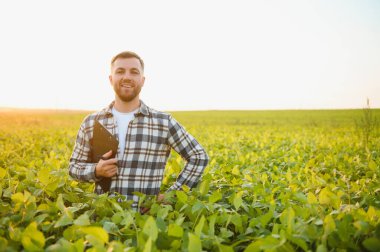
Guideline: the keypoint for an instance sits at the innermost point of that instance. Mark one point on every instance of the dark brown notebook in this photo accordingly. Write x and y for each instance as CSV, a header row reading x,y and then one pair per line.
x,y
102,142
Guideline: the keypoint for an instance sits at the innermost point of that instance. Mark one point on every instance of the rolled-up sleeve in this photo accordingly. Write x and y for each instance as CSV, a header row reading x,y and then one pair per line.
x,y
190,150
79,167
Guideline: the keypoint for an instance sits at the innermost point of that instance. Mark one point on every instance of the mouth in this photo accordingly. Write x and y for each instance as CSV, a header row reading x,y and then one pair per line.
x,y
127,86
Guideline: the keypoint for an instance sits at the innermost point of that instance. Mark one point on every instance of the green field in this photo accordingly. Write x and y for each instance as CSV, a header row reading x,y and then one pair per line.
x,y
305,180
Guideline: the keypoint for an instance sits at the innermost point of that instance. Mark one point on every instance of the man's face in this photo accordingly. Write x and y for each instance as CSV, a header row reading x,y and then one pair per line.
x,y
127,78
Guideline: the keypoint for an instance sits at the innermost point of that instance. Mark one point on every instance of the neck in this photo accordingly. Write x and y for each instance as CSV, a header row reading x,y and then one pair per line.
x,y
126,107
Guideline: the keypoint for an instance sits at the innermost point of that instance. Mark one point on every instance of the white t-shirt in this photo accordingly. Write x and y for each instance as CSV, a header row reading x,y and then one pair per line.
x,y
122,120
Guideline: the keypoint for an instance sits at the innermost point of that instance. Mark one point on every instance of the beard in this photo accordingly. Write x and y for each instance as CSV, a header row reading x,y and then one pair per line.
x,y
127,94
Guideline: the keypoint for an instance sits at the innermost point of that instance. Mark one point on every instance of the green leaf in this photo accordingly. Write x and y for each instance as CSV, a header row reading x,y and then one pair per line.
x,y
179,220
52,186
311,199
97,232
267,243
372,165
72,233
175,230
199,226
238,201
17,197
225,248
79,245
82,220
117,217
60,204
362,226
264,178
110,227
215,196
321,248
117,207
324,196
44,176
371,213
15,234
300,197
211,225
372,244
150,228
195,244
270,243
329,225
264,219
64,220
289,176
61,246
32,239
2,172
225,233
287,219
298,241
3,242
204,187
255,246
182,197
197,207
95,242
236,171
148,245
185,188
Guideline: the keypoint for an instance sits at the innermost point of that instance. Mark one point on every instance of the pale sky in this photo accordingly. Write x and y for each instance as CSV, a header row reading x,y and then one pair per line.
x,y
199,55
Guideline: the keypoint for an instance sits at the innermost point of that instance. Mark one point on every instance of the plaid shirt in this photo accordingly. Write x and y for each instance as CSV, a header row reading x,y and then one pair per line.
x,y
150,137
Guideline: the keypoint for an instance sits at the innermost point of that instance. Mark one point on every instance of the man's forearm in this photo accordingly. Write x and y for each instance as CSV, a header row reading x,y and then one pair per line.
x,y
83,171
192,171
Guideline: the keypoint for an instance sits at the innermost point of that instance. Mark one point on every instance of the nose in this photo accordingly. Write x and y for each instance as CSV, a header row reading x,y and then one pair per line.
x,y
126,75
126,78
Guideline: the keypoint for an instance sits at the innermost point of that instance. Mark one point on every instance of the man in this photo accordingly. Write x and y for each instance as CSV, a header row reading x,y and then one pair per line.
x,y
145,137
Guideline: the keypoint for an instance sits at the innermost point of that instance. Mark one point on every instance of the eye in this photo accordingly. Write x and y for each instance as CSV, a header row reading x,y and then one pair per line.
x,y
119,71
135,71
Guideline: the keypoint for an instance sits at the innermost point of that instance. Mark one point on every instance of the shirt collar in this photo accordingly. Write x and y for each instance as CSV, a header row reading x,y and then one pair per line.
x,y
143,109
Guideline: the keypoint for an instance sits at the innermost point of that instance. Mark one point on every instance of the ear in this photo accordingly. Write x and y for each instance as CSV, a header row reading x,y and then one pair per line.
x,y
143,81
110,78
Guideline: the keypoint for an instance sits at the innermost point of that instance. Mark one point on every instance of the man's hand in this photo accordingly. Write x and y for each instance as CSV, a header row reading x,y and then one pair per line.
x,y
160,200
106,168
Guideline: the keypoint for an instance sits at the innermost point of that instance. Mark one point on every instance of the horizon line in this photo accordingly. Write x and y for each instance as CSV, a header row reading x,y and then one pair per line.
x,y
46,109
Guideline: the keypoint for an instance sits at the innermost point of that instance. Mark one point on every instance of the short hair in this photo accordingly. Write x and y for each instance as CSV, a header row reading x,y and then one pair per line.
x,y
127,55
